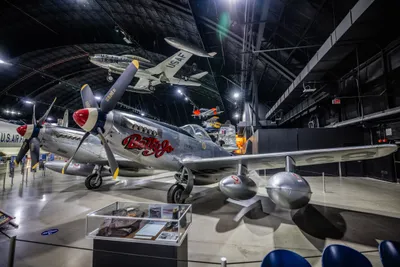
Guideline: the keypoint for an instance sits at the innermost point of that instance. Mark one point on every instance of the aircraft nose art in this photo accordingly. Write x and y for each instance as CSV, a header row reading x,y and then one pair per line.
x,y
21,130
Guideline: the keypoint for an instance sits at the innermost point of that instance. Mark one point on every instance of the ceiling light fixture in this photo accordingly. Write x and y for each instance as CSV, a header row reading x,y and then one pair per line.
x,y
236,95
29,102
97,98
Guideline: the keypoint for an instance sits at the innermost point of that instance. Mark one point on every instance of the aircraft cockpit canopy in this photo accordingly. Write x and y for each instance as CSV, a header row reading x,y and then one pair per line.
x,y
196,131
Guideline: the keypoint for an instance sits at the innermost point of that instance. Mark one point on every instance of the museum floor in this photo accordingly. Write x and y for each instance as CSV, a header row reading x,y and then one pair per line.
x,y
353,211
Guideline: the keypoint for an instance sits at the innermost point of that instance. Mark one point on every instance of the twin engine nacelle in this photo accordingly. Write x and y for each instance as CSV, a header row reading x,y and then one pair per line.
x,y
238,187
289,190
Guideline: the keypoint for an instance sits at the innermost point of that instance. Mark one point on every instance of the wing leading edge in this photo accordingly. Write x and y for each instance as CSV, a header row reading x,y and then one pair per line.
x,y
302,158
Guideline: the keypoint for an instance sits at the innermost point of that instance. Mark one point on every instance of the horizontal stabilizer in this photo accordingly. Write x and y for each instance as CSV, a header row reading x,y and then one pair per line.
x,y
199,75
212,54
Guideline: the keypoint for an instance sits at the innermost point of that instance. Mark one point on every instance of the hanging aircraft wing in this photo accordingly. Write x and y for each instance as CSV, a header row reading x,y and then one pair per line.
x,y
301,158
171,65
142,83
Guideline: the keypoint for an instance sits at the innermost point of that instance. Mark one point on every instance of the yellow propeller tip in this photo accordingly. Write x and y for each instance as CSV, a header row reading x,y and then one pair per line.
x,y
136,63
116,174
15,162
62,171
83,87
35,166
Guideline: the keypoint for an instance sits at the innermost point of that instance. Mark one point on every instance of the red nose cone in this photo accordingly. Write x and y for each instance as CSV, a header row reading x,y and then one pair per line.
x,y
81,116
21,130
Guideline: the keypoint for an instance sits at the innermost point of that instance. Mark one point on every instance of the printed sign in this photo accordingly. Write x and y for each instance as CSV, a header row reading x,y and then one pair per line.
x,y
50,232
149,145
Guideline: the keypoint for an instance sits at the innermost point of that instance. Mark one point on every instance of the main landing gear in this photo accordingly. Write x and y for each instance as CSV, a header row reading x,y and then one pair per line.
x,y
177,193
94,180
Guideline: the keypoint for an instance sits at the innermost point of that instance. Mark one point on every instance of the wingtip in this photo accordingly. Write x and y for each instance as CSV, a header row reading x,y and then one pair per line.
x,y
116,174
83,87
136,63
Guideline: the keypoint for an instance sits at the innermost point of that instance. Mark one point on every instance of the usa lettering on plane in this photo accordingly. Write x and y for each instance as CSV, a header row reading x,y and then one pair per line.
x,y
175,61
10,138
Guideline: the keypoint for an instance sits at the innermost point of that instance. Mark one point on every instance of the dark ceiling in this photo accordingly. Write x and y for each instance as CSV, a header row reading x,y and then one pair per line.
x,y
48,43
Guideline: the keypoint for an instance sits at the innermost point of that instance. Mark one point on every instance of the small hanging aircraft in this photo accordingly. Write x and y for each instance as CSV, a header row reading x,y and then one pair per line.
x,y
206,112
189,151
164,72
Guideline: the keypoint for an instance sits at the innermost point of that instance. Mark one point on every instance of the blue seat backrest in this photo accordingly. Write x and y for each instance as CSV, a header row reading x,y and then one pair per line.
x,y
284,258
343,256
390,253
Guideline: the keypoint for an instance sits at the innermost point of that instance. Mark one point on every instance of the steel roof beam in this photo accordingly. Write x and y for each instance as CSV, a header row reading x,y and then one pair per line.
x,y
354,14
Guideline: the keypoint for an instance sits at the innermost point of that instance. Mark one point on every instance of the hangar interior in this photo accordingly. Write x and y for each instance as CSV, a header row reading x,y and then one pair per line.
x,y
221,104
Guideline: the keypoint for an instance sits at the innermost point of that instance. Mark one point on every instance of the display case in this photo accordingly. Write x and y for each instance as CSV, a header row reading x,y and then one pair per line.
x,y
156,223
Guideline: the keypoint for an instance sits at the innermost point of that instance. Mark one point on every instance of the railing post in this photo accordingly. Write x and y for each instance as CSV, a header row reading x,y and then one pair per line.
x,y
11,252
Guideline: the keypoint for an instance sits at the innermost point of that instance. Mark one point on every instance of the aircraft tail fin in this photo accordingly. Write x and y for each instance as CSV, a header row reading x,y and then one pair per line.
x,y
212,54
198,76
65,119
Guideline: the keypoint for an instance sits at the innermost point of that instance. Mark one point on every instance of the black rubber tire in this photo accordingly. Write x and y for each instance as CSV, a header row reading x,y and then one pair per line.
x,y
88,183
174,193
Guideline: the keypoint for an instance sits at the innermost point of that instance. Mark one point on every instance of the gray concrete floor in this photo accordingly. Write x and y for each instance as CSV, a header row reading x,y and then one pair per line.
x,y
354,211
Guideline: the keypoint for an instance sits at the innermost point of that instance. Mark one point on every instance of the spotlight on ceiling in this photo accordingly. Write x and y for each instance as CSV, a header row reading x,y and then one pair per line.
x,y
180,91
142,114
29,102
97,97
49,118
236,115
6,111
13,112
4,63
236,95
186,98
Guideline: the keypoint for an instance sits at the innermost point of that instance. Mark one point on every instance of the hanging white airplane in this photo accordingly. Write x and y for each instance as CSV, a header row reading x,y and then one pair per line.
x,y
164,72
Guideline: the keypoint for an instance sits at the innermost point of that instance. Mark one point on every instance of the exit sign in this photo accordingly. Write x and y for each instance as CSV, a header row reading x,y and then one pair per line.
x,y
336,101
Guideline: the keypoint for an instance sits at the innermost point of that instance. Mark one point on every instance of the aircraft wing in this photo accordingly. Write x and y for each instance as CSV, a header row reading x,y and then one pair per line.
x,y
171,65
301,158
142,83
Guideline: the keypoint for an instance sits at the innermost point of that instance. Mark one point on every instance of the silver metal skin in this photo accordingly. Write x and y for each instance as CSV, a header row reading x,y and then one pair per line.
x,y
289,190
77,169
238,187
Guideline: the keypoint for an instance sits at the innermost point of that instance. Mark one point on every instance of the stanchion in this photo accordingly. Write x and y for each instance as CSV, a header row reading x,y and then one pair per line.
x,y
340,169
323,182
11,252
223,262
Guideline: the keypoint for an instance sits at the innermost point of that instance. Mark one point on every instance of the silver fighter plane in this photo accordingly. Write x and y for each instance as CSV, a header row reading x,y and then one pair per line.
x,y
189,152
164,72
90,161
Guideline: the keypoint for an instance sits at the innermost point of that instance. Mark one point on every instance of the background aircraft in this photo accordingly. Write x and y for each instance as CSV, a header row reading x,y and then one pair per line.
x,y
189,152
10,140
164,72
206,112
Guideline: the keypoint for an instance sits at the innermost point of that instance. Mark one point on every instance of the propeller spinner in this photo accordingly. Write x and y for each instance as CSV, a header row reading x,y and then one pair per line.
x,y
31,132
93,118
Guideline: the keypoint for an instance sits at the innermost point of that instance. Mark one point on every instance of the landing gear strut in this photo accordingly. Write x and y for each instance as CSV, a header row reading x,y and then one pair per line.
x,y
177,193
94,180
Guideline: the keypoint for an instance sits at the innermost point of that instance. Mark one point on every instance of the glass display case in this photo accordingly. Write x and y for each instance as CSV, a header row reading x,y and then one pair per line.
x,y
158,223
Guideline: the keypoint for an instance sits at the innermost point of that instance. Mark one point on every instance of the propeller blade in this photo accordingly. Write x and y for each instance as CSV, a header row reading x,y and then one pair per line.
x,y
22,151
88,99
71,158
42,119
110,156
34,147
34,115
113,95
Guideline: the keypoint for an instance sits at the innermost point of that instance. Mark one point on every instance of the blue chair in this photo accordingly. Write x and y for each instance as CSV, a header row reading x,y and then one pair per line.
x,y
284,258
343,256
390,253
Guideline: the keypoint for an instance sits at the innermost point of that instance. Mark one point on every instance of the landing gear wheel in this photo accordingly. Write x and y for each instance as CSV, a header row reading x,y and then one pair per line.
x,y
174,193
110,78
93,182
